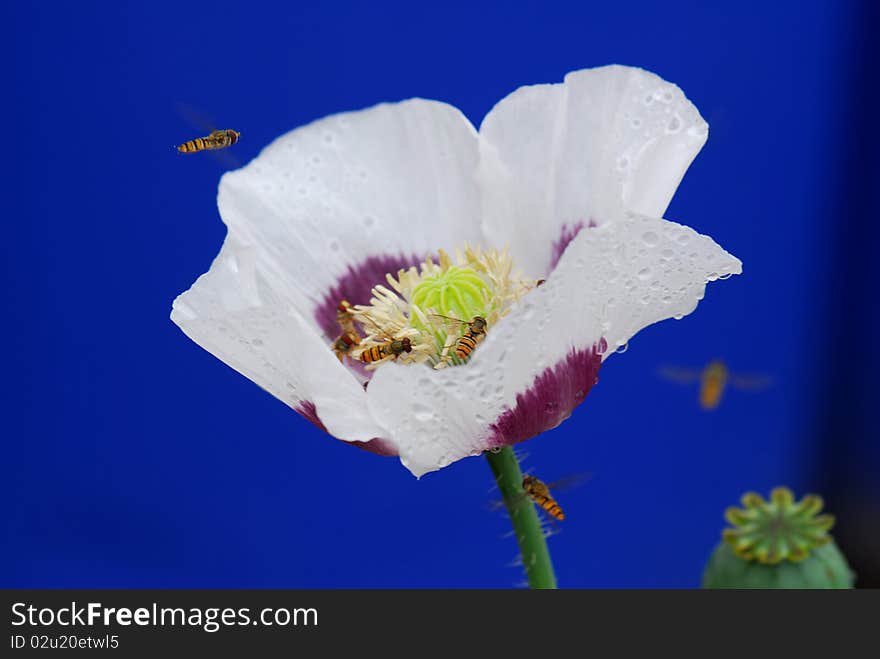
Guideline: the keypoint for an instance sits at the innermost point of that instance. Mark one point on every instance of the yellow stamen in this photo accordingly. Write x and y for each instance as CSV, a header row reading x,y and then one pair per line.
x,y
434,305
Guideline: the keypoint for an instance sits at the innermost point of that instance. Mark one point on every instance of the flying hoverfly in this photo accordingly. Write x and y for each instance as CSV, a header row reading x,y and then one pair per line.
x,y
538,492
214,142
714,379
218,139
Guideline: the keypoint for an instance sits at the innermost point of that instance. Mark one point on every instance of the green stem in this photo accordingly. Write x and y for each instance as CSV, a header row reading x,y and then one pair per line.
x,y
524,517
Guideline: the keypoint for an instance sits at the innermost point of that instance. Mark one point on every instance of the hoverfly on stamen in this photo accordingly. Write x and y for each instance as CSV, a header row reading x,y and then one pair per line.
x,y
475,332
389,349
350,337
345,343
345,316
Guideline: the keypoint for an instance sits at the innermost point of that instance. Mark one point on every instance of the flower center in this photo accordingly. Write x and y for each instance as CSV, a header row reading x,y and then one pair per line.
x,y
459,292
437,313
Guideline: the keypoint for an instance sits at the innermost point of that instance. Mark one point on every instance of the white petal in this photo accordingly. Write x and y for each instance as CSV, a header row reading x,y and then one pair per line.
x,y
612,281
607,139
235,314
394,180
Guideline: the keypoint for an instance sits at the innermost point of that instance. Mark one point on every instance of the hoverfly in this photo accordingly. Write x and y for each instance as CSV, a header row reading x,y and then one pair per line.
x,y
390,349
345,342
714,379
218,139
475,332
536,490
345,317
214,141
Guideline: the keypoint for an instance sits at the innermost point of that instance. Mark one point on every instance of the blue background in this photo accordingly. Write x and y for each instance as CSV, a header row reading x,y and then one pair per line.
x,y
133,458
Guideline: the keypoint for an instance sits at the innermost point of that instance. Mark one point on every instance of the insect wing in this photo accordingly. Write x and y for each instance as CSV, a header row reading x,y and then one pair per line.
x,y
195,118
379,331
457,323
751,382
678,375
570,481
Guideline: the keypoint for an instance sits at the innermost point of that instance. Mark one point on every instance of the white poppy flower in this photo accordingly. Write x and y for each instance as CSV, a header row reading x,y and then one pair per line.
x,y
564,183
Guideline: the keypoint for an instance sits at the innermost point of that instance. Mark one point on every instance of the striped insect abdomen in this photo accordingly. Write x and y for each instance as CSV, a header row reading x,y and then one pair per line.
x,y
550,506
465,346
192,146
372,354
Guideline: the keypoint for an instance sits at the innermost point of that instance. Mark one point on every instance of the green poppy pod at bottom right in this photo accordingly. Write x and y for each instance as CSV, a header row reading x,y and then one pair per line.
x,y
778,543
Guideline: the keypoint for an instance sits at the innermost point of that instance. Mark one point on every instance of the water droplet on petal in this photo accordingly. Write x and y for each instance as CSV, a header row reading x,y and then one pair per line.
x,y
422,412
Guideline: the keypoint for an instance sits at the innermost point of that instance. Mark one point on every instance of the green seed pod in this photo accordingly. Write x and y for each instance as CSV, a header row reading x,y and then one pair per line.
x,y
778,543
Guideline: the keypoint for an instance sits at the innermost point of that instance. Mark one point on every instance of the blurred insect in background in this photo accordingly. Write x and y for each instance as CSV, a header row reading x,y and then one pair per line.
x,y
214,142
714,379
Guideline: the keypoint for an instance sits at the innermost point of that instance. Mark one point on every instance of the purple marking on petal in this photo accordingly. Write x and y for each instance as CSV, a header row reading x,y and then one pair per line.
x,y
309,411
355,286
565,237
376,445
551,398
